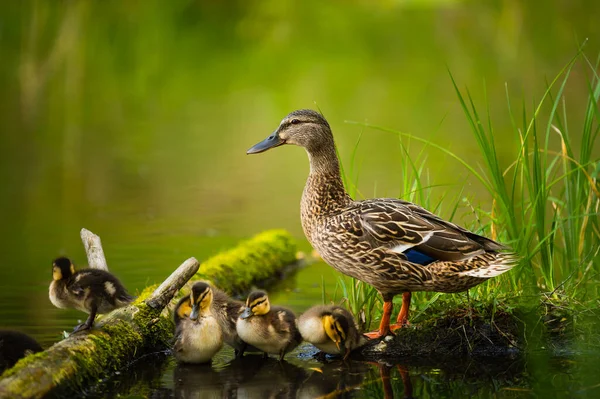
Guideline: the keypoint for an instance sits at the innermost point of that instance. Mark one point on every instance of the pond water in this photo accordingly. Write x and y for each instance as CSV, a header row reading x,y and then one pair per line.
x,y
132,119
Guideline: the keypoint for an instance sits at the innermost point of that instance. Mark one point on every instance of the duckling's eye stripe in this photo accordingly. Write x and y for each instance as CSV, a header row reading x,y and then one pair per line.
x,y
204,294
257,303
338,331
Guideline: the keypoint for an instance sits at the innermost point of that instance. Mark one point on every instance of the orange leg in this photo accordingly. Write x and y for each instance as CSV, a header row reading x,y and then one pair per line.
x,y
403,315
384,326
408,390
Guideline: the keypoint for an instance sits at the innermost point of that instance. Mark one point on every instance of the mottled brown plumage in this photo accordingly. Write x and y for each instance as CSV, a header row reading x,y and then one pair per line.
x,y
391,244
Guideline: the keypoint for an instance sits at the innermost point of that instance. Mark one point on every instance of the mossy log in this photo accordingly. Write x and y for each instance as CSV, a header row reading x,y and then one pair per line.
x,y
72,365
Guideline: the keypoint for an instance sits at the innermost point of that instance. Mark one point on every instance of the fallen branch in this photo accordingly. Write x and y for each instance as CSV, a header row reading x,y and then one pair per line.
x,y
93,250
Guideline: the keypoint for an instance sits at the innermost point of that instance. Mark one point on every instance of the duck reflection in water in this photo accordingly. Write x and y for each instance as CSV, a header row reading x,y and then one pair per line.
x,y
385,372
251,376
339,379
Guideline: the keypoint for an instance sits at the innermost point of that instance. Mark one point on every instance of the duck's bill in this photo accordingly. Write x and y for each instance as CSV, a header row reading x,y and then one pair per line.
x,y
270,142
195,313
246,313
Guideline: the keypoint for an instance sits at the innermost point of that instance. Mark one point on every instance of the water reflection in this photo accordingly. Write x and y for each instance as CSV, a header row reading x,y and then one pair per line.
x,y
302,376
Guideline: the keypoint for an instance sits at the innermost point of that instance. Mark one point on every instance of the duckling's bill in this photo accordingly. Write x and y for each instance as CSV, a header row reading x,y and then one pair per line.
x,y
246,313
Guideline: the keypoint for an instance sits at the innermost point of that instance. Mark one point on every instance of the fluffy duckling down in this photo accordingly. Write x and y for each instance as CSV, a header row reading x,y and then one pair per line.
x,y
271,329
332,329
89,290
227,310
198,335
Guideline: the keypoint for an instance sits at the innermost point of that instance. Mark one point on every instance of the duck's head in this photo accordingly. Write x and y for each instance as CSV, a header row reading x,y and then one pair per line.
x,y
200,299
305,128
257,304
62,268
336,328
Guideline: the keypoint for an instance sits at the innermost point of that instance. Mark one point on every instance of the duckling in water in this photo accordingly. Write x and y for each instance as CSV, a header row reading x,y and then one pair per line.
x,y
89,290
332,329
272,329
198,335
227,311
13,346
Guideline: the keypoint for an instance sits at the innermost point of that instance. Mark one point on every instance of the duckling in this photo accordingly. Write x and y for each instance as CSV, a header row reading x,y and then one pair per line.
x,y
332,329
227,310
89,290
198,335
272,329
13,346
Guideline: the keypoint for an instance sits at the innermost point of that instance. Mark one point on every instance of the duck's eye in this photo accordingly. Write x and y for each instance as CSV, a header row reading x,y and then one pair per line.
x,y
295,121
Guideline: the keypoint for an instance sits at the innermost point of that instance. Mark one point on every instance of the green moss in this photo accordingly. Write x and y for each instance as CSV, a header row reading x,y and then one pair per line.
x,y
259,258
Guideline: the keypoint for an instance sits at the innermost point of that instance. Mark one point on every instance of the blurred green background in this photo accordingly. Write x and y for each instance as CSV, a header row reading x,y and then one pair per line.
x,y
132,118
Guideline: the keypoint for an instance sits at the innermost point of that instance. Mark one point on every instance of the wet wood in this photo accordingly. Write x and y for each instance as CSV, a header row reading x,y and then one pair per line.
x,y
165,292
93,250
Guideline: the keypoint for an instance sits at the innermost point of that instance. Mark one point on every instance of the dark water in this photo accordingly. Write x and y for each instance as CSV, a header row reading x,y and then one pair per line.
x,y
132,119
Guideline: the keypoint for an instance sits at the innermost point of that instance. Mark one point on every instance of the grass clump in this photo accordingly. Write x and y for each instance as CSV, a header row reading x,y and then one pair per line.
x,y
545,200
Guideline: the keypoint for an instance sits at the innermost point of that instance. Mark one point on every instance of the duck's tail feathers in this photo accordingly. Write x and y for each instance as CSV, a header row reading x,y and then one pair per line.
x,y
491,265
125,299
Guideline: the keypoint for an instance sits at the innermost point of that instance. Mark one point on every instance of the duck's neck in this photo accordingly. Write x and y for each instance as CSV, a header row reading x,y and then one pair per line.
x,y
324,193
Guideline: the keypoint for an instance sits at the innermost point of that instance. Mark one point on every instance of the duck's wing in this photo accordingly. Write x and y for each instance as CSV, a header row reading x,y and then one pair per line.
x,y
422,237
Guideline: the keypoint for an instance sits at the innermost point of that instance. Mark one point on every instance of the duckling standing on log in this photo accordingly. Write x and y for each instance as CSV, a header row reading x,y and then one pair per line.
x,y
15,345
332,329
89,290
391,244
271,329
198,335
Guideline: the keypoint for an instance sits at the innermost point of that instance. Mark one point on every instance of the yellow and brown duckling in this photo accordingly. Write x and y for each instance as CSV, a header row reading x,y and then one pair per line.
x,y
198,334
271,329
15,345
90,290
227,310
332,329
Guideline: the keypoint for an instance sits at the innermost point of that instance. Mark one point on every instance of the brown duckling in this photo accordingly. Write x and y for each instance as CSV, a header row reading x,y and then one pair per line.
x,y
15,345
227,310
198,335
89,290
332,329
272,329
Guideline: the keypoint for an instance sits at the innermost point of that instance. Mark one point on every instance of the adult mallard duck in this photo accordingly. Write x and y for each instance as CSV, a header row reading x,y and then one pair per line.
x,y
198,335
89,290
271,329
330,328
391,244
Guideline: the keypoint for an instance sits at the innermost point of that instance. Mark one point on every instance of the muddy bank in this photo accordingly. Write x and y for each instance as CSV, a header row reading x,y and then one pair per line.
x,y
485,332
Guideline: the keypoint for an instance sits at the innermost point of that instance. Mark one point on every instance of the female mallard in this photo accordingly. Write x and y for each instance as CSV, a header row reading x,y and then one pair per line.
x,y
198,335
391,244
89,290
271,329
330,328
